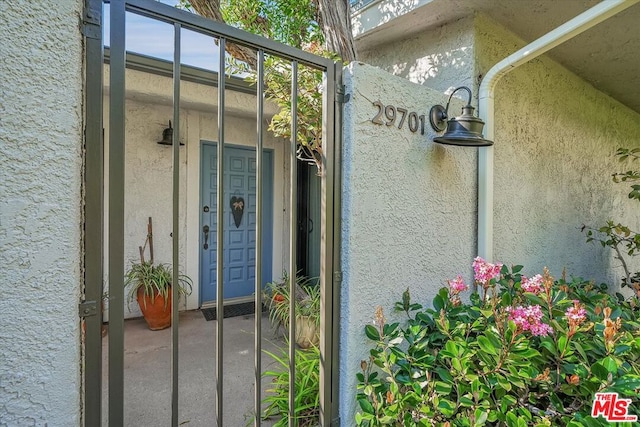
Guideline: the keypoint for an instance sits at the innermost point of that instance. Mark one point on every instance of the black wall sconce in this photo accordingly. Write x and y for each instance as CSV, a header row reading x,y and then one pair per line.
x,y
464,130
167,136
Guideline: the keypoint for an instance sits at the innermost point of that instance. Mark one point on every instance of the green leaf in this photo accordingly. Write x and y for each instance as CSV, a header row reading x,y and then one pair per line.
x,y
556,402
627,385
366,405
465,401
481,417
535,299
507,402
503,382
372,333
549,345
486,346
444,375
580,350
562,343
610,364
599,371
446,407
443,388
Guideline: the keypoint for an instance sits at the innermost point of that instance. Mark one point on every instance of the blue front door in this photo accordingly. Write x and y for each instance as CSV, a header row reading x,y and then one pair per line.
x,y
239,242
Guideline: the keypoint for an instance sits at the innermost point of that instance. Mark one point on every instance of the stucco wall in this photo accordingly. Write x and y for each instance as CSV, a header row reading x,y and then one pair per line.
x,y
555,136
148,175
409,206
555,139
408,212
40,212
440,59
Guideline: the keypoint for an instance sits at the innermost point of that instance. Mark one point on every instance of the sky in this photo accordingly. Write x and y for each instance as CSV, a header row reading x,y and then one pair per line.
x,y
155,38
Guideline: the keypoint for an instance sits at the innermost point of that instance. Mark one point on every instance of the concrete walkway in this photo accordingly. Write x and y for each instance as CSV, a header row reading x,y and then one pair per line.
x,y
147,371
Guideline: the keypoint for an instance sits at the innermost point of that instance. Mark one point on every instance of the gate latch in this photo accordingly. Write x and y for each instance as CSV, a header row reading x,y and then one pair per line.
x,y
87,308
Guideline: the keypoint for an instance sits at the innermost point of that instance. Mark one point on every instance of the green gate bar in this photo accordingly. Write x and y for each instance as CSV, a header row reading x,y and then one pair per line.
x,y
93,213
220,238
175,243
116,213
293,276
259,189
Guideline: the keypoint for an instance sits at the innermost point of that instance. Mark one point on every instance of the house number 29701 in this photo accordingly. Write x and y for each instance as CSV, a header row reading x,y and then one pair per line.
x,y
391,115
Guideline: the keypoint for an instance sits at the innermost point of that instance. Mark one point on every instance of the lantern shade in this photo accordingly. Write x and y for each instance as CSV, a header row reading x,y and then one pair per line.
x,y
167,136
464,130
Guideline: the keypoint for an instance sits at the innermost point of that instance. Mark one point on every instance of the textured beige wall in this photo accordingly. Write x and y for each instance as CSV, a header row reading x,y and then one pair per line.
x,y
555,136
408,212
40,212
441,59
148,175
409,205
555,139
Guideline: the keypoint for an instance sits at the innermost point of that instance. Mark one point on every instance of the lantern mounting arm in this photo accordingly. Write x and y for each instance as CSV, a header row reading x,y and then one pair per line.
x,y
438,114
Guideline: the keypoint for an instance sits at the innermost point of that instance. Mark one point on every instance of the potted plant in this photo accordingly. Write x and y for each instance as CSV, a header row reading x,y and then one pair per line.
x,y
151,286
306,307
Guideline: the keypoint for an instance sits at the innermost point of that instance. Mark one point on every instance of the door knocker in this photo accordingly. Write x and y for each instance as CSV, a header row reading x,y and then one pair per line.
x,y
237,209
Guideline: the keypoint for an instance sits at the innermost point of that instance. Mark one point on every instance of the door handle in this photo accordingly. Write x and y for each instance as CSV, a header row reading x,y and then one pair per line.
x,y
205,230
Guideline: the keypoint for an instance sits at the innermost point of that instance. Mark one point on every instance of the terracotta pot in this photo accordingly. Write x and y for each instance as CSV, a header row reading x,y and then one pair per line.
x,y
156,314
307,333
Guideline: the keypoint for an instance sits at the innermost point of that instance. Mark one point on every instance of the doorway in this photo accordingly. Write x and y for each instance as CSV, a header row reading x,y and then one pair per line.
x,y
239,222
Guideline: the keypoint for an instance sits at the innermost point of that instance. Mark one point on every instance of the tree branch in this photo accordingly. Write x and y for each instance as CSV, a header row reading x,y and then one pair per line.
x,y
335,21
211,9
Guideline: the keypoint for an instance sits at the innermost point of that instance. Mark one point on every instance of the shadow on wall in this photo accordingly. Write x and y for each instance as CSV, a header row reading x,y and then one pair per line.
x,y
430,66
420,70
387,11
446,64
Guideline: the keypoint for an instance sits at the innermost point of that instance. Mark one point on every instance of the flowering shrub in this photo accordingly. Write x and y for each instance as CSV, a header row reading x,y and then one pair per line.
x,y
524,352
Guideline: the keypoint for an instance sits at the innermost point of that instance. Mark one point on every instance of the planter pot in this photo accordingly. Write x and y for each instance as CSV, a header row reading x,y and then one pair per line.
x,y
156,313
307,332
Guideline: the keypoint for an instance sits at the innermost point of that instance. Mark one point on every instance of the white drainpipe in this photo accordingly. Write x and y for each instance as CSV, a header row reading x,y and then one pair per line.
x,y
566,31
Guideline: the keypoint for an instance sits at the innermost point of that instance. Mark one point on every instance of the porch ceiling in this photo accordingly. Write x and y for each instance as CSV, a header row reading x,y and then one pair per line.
x,y
607,55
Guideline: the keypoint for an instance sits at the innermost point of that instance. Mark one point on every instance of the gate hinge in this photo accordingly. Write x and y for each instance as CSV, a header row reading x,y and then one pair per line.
x,y
341,95
337,276
90,25
87,308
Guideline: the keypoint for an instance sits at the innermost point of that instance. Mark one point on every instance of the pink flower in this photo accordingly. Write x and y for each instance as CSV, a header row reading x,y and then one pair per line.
x,y
576,314
533,285
540,330
529,318
457,285
485,271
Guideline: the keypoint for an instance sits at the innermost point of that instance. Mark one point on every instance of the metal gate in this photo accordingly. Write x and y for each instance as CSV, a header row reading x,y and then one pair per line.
x,y
96,263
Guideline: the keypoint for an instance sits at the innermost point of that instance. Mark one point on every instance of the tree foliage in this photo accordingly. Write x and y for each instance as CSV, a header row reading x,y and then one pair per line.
x,y
303,24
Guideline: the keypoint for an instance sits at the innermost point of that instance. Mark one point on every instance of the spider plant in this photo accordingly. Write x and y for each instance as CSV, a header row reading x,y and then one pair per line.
x,y
307,300
155,280
307,388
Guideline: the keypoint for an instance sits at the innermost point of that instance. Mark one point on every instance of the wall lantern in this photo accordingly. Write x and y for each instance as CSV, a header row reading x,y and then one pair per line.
x,y
167,136
464,130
